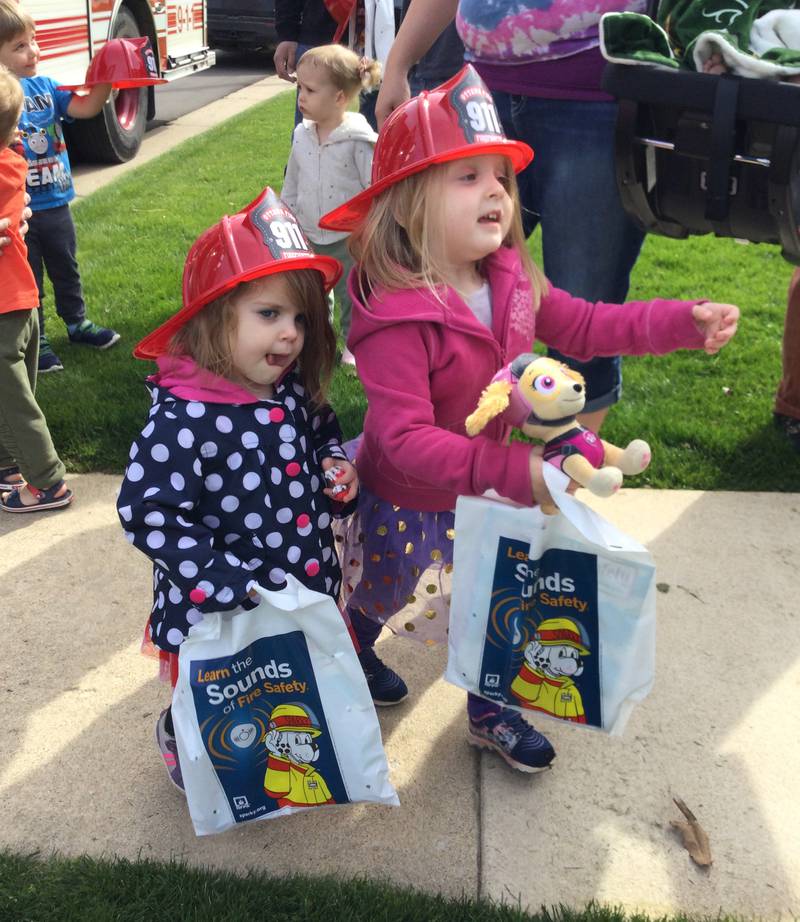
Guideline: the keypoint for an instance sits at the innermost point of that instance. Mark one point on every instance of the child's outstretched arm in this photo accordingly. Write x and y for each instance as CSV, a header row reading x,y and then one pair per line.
x,y
584,329
717,323
91,104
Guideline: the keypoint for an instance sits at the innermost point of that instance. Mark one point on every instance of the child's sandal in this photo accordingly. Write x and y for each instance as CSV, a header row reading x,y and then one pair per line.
x,y
50,498
11,478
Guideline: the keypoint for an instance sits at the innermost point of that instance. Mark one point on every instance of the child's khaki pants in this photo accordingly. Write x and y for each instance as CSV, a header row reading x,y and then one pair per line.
x,y
24,437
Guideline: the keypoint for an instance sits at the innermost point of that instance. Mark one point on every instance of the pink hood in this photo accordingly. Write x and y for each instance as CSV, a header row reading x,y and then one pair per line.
x,y
186,379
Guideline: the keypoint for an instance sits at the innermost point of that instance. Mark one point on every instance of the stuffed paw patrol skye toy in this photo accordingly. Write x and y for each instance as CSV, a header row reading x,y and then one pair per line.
x,y
542,397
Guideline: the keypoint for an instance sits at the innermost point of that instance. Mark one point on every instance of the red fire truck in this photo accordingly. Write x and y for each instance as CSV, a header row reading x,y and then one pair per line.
x,y
69,32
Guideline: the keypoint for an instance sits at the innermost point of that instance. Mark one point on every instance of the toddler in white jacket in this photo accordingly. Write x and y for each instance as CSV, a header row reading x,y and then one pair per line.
x,y
331,158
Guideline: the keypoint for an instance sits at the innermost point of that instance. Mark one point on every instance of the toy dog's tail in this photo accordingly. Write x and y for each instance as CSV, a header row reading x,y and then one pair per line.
x,y
494,399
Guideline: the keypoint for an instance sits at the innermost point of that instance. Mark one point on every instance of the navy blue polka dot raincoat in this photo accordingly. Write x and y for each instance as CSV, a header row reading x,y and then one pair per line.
x,y
224,495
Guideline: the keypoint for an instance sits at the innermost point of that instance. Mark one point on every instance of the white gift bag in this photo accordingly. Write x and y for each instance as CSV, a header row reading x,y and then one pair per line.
x,y
552,614
272,713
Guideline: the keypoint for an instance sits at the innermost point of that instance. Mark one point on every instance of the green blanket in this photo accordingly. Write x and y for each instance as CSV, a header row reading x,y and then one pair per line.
x,y
754,39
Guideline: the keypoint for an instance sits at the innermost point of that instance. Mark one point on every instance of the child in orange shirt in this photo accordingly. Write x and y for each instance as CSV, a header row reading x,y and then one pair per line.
x,y
26,448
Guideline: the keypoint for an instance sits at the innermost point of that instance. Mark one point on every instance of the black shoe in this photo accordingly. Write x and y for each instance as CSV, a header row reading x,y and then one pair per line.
x,y
48,360
385,685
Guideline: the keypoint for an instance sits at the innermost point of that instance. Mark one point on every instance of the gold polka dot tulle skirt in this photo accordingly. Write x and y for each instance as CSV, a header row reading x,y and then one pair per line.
x,y
396,566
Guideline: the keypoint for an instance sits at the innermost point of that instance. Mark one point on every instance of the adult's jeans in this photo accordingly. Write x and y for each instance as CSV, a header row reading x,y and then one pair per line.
x,y
589,244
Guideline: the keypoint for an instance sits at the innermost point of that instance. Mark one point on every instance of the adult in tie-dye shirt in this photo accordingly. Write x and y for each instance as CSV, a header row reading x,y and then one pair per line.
x,y
515,31
542,61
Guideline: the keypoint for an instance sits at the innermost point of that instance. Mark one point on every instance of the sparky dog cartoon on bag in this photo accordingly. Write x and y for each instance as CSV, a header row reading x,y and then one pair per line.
x,y
290,740
262,723
540,634
553,660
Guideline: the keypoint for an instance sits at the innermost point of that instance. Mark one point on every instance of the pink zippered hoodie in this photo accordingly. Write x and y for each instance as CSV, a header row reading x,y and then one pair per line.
x,y
424,364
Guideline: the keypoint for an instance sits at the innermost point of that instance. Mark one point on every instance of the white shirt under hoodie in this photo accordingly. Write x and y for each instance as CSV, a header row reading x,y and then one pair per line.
x,y
320,177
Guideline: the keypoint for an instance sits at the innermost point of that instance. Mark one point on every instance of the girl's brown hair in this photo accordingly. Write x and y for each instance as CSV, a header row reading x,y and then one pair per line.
x,y
11,99
207,336
346,71
395,244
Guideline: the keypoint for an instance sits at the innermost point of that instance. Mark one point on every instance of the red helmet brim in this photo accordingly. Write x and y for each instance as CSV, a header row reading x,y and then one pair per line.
x,y
348,216
157,342
127,84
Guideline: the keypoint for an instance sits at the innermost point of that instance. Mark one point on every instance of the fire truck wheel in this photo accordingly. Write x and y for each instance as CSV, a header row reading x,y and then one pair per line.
x,y
114,135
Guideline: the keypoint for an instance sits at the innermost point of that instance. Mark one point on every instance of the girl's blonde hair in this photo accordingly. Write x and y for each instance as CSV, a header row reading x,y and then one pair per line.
x,y
346,71
11,99
208,335
395,244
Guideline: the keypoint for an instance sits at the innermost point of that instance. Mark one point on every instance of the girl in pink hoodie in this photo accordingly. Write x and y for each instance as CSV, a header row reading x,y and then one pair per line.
x,y
444,294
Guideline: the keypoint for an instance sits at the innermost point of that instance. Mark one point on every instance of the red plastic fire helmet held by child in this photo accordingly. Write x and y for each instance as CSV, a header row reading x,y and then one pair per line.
x,y
125,63
262,239
455,120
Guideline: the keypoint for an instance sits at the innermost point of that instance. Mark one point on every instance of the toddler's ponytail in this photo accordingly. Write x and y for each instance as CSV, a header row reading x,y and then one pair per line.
x,y
370,73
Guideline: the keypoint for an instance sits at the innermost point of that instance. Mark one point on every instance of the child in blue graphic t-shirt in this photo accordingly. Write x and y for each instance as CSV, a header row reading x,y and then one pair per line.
x,y
51,237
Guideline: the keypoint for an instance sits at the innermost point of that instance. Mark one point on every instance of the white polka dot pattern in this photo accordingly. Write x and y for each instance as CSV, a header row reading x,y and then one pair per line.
x,y
224,496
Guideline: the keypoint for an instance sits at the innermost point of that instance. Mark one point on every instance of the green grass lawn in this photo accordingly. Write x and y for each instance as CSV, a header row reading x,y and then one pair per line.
x,y
708,420
87,890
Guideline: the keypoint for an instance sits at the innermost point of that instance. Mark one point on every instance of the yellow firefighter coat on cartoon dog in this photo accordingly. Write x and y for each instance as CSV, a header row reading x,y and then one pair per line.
x,y
290,778
553,694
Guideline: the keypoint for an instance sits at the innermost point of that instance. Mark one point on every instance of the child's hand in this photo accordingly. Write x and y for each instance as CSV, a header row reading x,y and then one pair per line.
x,y
342,474
541,495
90,104
5,223
717,322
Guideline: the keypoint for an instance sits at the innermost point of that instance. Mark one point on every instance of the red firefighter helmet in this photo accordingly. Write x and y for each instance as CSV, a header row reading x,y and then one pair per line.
x,y
124,63
452,121
261,239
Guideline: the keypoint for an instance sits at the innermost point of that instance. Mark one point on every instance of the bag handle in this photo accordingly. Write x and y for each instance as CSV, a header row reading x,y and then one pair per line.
x,y
591,525
295,596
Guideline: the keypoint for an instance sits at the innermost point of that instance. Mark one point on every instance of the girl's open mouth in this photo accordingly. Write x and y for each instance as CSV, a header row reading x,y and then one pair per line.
x,y
492,218
280,361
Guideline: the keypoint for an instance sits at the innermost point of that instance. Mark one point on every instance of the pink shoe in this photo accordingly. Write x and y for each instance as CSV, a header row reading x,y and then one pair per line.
x,y
348,358
169,751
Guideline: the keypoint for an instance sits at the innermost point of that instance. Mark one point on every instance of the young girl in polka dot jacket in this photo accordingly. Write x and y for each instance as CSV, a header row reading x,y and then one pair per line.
x,y
444,295
234,479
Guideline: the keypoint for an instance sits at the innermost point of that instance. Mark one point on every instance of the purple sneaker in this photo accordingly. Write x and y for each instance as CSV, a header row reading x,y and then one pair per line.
x,y
513,738
169,752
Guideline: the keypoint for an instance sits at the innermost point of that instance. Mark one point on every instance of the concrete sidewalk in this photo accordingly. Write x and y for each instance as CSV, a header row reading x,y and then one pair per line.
x,y
79,771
